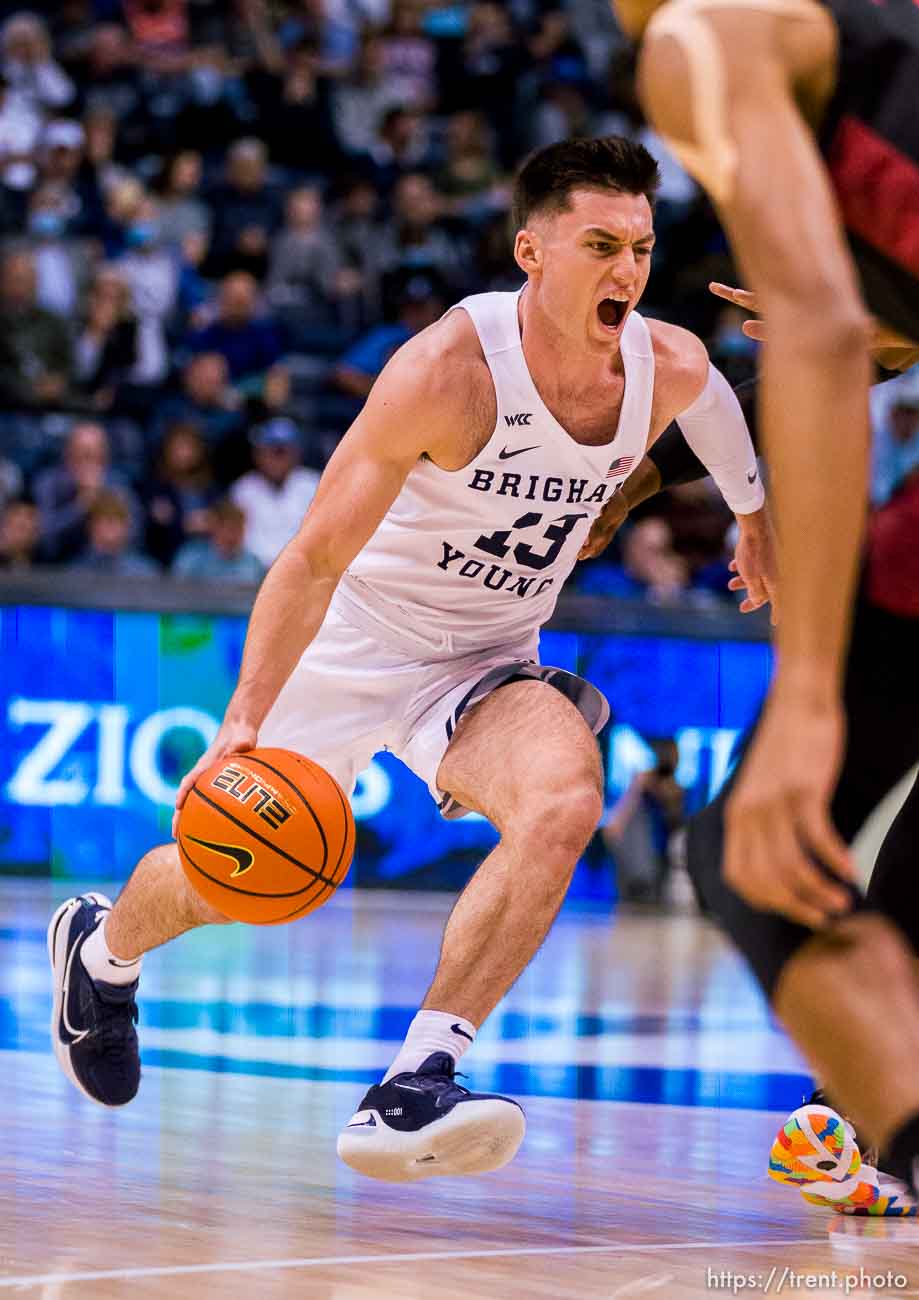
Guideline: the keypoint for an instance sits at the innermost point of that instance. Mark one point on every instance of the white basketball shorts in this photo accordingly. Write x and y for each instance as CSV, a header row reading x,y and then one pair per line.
x,y
362,686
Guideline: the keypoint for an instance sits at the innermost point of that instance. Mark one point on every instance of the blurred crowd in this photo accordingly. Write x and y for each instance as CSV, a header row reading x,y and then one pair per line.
x,y
219,220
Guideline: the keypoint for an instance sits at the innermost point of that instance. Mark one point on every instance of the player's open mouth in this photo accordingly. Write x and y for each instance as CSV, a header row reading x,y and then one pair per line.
x,y
612,312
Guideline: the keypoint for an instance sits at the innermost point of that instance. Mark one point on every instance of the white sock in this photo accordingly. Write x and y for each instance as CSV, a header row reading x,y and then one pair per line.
x,y
432,1031
101,963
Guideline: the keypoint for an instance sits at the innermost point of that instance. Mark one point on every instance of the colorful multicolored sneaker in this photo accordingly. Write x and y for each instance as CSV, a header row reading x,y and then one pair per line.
x,y
816,1150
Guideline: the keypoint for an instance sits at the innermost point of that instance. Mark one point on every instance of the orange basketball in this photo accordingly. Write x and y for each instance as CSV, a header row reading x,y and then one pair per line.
x,y
266,836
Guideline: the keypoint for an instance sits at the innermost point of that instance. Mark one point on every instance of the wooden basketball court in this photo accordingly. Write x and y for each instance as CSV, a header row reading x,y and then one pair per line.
x,y
652,1077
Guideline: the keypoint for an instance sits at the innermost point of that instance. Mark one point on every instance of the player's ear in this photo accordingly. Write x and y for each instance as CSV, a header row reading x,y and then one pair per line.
x,y
528,251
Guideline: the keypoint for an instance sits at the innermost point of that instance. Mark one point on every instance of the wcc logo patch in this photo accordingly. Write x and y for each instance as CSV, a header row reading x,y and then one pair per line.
x,y
521,417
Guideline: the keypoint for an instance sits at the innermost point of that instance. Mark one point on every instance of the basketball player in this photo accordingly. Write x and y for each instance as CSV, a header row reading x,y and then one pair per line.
x,y
792,114
405,615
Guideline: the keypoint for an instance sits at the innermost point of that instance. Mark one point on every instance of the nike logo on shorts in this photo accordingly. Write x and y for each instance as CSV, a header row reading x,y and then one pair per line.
x,y
504,454
751,478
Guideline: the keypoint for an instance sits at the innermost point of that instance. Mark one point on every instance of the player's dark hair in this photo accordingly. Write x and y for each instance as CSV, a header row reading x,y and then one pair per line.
x,y
547,179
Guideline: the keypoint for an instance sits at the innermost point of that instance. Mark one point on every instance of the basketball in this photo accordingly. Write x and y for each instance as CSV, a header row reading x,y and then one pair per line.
x,y
266,836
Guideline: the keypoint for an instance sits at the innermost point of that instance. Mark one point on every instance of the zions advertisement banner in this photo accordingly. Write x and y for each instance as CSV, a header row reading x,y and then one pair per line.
x,y
102,712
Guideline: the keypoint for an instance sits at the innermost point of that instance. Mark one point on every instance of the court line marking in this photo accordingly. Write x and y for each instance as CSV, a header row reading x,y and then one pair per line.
x,y
416,1257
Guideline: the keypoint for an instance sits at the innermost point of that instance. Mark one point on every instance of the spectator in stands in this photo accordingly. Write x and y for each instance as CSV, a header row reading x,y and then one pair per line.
x,y
180,209
496,269
99,169
181,493
212,102
20,536
415,237
362,98
62,264
307,276
354,222
251,343
895,453
293,101
247,212
123,203
401,145
110,79
420,303
29,68
651,570
35,354
66,493
274,496
106,345
560,110
64,172
409,56
699,523
160,32
638,829
221,556
20,130
491,63
11,481
554,50
470,181
150,272
110,534
207,400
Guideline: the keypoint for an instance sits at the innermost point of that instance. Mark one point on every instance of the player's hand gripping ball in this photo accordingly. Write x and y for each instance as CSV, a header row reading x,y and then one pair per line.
x,y
266,836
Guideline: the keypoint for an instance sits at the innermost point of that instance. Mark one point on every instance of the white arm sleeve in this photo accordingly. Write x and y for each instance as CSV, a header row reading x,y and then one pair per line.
x,y
715,429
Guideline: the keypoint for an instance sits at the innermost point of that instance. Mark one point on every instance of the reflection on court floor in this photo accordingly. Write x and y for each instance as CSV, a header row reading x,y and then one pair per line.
x,y
651,1070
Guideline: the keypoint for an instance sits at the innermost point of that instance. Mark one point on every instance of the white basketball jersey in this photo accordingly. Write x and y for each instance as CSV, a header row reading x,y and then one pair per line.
x,y
485,550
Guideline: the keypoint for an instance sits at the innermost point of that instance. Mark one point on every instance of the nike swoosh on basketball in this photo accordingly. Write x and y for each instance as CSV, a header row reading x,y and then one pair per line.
x,y
504,454
242,857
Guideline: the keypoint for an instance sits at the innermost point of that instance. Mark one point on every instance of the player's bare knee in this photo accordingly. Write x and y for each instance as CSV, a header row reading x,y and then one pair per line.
x,y
866,942
559,820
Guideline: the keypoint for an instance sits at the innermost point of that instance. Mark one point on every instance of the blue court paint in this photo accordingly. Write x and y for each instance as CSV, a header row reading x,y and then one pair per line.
x,y
386,1022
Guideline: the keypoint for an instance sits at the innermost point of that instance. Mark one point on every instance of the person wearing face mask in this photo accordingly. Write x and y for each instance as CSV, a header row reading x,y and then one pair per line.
x,y
60,261
150,272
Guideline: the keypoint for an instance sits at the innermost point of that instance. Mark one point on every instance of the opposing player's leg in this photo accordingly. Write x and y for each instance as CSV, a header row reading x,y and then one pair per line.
x,y
526,759
95,951
882,744
849,997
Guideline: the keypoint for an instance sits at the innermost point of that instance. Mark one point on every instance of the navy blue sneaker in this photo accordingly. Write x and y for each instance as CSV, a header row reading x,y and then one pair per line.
x,y
92,1021
422,1124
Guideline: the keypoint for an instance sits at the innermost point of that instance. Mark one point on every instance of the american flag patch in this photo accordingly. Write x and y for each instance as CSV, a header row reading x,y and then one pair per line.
x,y
620,466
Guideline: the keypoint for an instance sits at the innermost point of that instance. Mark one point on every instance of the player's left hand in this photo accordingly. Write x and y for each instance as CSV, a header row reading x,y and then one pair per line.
x,y
605,526
777,817
755,564
754,329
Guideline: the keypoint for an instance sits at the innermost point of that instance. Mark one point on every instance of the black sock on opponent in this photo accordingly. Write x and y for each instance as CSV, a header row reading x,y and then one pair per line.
x,y
901,1155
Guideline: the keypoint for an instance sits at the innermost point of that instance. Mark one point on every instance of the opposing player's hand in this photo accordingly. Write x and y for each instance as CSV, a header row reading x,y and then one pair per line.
x,y
232,738
605,526
754,329
777,817
755,564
